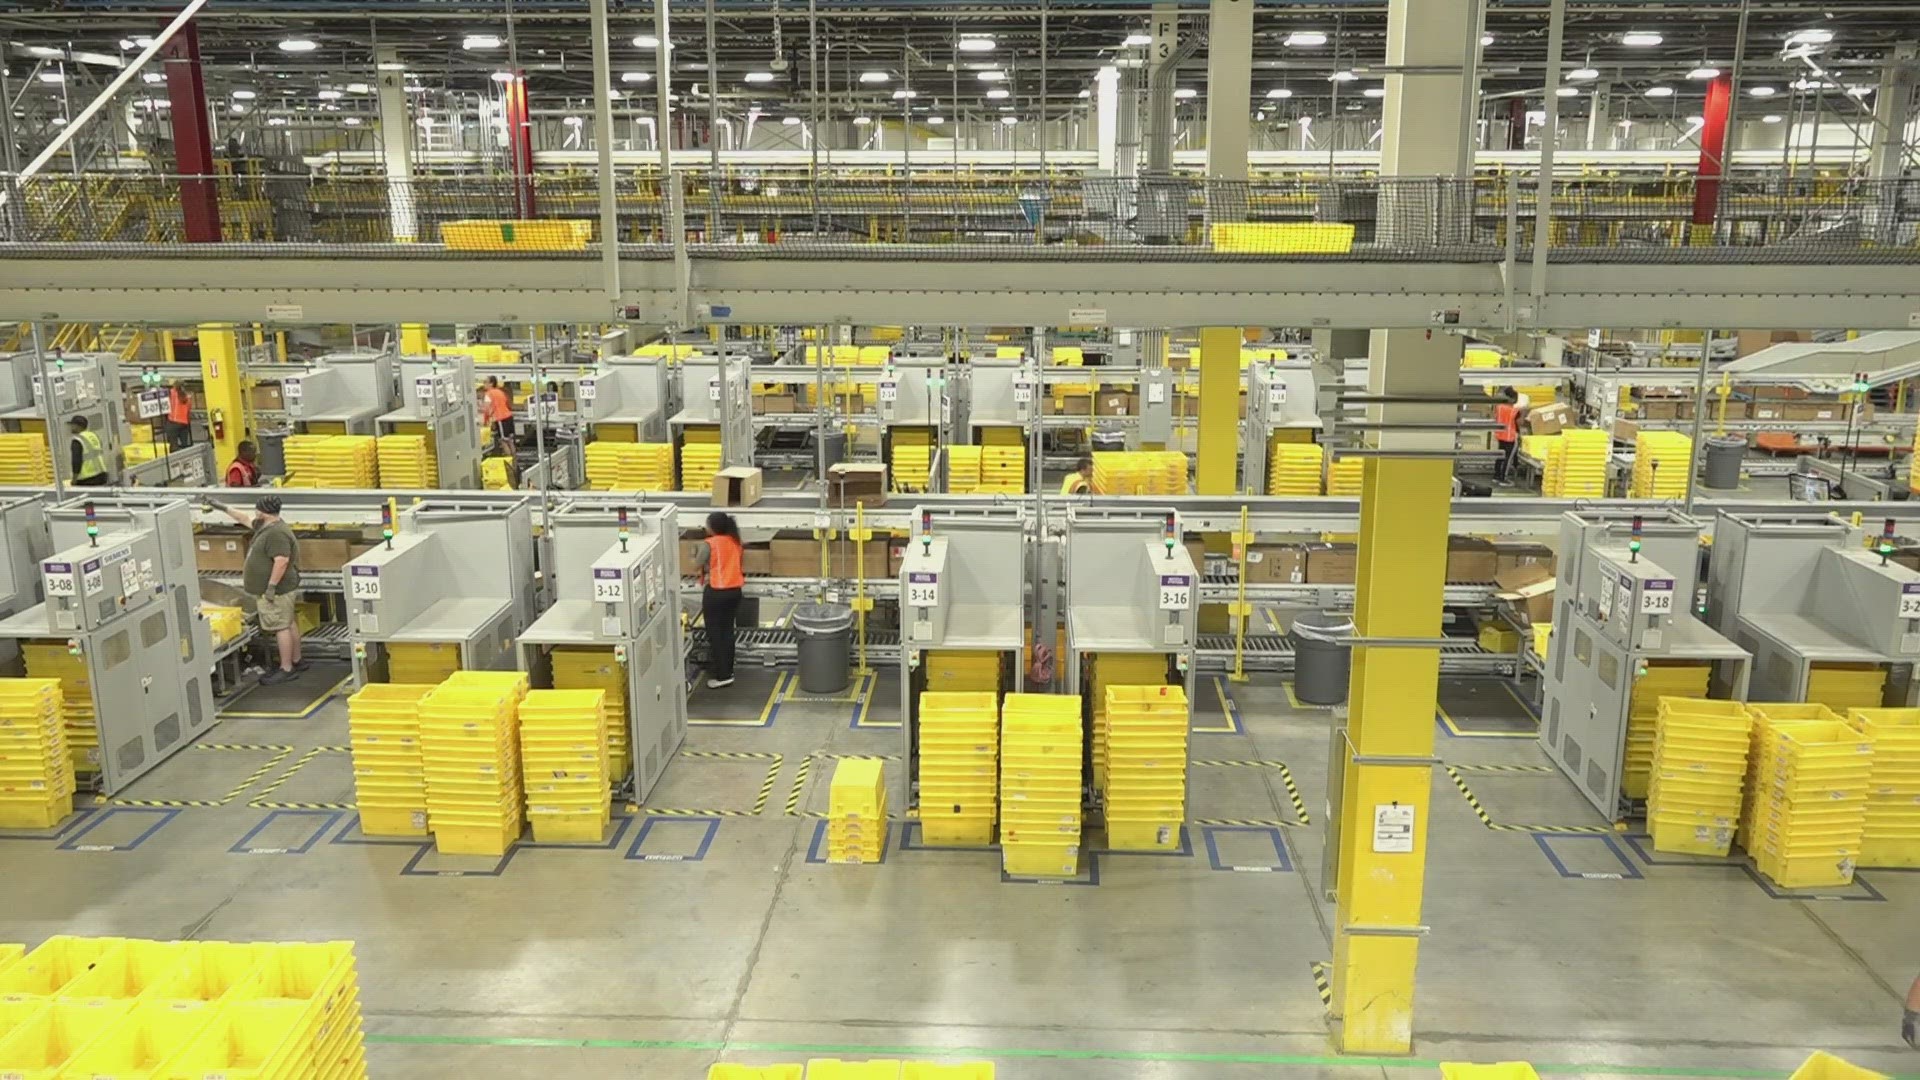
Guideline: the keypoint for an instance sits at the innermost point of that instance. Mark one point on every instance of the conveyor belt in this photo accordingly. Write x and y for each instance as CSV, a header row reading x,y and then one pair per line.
x,y
1274,652
774,646
1224,586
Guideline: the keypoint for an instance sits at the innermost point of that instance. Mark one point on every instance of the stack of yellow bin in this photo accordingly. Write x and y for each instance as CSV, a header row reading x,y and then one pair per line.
x,y
1660,463
563,757
1108,670
1842,687
1344,476
406,462
1699,772
331,461
951,670
1770,717
1146,790
114,1007
1295,468
496,474
1662,678
1040,756
1810,811
389,775
225,623
857,811
36,773
428,662
52,660
301,455
1892,833
699,457
1577,464
959,754
629,466
593,668
912,458
1003,461
25,459
963,470
470,743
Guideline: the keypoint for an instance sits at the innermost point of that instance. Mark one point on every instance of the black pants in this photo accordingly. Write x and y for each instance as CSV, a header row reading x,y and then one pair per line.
x,y
179,436
93,481
718,606
1503,469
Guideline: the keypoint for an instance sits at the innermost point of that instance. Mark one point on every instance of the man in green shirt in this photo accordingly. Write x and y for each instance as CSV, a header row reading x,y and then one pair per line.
x,y
272,578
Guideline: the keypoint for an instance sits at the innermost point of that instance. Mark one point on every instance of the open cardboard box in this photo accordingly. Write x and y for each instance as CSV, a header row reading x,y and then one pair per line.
x,y
1529,589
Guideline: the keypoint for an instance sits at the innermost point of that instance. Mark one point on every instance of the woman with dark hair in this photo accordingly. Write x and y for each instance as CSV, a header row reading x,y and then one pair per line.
x,y
718,563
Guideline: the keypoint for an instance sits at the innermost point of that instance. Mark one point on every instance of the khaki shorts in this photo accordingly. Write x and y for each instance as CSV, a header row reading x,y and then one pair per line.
x,y
275,612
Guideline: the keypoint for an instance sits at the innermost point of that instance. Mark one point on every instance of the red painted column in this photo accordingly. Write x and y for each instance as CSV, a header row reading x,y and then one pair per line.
x,y
1713,152
192,137
520,145
1517,124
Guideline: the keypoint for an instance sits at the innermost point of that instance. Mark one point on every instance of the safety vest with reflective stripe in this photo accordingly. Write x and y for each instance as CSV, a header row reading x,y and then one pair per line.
x,y
93,455
1074,484
179,406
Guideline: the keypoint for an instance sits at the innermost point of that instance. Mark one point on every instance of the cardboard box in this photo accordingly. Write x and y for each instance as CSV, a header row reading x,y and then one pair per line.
x,y
857,484
1471,560
220,550
1626,430
1332,564
1073,405
794,553
1659,408
267,396
1529,590
1276,564
756,560
690,544
896,556
1748,342
1197,551
1820,411
844,562
1521,555
1736,410
1550,419
737,485
775,404
1769,410
328,552
1113,403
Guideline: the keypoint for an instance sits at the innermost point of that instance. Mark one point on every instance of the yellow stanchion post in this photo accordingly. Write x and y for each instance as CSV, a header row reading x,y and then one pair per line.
x,y
1241,609
862,603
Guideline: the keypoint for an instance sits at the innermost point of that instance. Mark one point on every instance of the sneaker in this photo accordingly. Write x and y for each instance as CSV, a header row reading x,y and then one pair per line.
x,y
276,677
715,684
302,666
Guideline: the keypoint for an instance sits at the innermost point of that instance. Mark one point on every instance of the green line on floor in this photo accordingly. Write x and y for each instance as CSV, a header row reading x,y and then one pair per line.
x,y
817,1049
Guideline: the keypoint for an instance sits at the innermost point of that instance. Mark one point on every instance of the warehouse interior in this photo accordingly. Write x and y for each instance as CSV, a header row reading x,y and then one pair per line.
x,y
852,539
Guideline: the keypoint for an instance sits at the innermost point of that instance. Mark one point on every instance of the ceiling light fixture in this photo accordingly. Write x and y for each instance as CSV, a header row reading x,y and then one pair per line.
x,y
976,43
862,121
873,76
1641,39
1772,118
276,121
572,121
905,95
299,45
351,121
503,76
998,94
789,121
636,76
335,95
759,76
1009,120
1135,40
58,77
480,41
1659,91
244,95
991,75
1814,36
1859,91
358,88
1762,91
1342,76
1305,39
1279,93
1701,74
646,41
936,119
152,77
1567,91
1583,74
1486,40
389,65
1185,92
1375,92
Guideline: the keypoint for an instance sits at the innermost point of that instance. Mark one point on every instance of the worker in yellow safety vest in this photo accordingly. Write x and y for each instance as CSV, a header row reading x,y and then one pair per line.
x,y
87,454
1080,480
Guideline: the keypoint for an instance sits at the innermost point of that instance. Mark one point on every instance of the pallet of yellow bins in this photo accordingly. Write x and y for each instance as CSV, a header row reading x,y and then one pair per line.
x,y
603,460
564,763
53,660
857,811
596,668
423,662
1811,813
963,469
36,770
1040,755
406,462
1282,238
1660,463
1842,687
1768,718
1344,477
1146,790
469,742
25,459
912,458
298,1015
1891,837
1660,679
1116,669
389,774
1295,468
699,457
646,467
959,752
1699,773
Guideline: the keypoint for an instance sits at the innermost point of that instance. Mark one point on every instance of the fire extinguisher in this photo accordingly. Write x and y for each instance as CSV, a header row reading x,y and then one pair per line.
x,y
217,424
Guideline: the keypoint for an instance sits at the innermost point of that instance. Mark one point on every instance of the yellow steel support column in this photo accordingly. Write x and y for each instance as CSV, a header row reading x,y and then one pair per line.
x,y
1217,462
227,417
414,340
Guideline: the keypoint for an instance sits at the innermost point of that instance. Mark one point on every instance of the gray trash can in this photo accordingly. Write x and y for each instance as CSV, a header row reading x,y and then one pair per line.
x,y
1320,663
1724,453
826,644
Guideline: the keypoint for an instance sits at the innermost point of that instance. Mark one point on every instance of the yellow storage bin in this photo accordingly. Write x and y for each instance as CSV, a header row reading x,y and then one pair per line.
x,y
725,1071
1500,1070
516,235
833,1069
1824,1066
1282,238
136,1047
58,961
40,1047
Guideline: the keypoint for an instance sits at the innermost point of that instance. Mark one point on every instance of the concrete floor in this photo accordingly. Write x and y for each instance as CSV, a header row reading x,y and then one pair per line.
x,y
689,940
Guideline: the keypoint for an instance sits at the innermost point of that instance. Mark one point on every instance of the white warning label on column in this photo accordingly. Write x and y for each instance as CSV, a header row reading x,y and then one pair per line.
x,y
1393,828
